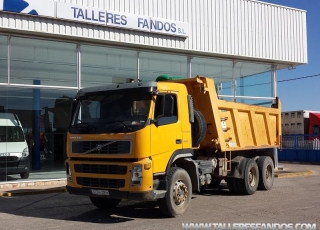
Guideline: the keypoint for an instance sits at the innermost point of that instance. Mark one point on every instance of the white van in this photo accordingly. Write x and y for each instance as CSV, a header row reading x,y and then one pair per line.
x,y
14,152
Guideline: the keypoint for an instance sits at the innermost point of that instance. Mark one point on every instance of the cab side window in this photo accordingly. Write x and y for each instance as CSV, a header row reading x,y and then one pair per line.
x,y
166,109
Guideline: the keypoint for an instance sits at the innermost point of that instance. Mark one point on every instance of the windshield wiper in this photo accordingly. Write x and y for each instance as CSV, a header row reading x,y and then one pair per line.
x,y
113,123
84,124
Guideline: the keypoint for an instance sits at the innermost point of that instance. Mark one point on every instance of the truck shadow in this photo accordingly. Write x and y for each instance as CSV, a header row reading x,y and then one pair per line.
x,y
126,211
62,206
221,190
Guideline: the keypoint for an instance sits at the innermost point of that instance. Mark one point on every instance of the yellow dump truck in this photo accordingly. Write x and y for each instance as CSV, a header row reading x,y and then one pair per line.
x,y
166,139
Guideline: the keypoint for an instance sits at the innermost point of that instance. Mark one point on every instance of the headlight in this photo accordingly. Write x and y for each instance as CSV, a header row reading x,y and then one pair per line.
x,y
25,152
136,177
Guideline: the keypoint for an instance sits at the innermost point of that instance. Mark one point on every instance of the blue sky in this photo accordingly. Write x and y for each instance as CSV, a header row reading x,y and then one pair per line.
x,y
303,94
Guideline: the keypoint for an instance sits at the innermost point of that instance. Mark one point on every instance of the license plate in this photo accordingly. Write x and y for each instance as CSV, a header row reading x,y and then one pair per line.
x,y
4,154
99,192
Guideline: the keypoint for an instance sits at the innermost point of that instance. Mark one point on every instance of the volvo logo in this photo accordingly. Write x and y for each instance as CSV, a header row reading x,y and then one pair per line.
x,y
98,147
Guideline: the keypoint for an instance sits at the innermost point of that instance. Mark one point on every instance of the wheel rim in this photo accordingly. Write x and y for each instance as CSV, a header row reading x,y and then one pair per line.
x,y
180,192
269,173
252,177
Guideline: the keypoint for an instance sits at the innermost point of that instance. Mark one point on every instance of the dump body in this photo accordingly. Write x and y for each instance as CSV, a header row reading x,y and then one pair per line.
x,y
231,125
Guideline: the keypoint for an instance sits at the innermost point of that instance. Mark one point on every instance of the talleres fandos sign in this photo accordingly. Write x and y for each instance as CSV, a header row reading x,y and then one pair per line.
x,y
83,14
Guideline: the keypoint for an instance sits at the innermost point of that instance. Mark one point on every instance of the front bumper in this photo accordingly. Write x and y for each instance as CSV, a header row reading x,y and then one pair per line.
x,y
15,167
147,195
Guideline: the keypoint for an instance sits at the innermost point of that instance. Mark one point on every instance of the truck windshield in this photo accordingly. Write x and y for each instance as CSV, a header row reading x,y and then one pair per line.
x,y
111,112
11,134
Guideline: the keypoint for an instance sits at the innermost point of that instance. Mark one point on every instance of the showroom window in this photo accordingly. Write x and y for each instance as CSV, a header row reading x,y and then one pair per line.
x,y
34,61
237,81
153,65
44,117
3,59
219,70
101,65
253,80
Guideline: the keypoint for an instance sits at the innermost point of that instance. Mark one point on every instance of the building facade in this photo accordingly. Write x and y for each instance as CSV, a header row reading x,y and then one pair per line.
x,y
300,122
49,49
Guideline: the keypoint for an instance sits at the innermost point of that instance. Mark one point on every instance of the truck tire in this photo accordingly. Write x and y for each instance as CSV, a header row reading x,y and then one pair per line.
x,y
198,128
249,184
104,203
266,173
232,184
215,183
25,175
178,193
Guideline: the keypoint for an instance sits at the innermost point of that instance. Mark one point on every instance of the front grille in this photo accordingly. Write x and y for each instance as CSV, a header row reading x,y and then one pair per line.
x,y
100,183
10,158
100,169
101,147
9,164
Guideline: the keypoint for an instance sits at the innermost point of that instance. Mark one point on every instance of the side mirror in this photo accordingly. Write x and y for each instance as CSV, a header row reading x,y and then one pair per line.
x,y
166,120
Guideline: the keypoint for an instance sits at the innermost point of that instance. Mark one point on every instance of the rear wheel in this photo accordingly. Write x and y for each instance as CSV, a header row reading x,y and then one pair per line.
x,y
178,193
266,173
232,184
104,203
249,184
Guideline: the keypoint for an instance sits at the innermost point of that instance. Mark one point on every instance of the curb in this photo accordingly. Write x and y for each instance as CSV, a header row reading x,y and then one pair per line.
x,y
32,191
32,183
293,174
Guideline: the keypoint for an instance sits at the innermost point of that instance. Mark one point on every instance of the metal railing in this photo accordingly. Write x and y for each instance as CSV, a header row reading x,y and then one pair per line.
x,y
300,141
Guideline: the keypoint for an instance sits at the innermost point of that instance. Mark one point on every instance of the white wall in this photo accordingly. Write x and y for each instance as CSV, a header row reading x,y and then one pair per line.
x,y
226,28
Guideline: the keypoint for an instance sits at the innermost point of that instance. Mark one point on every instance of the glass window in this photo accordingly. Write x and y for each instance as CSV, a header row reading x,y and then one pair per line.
x,y
253,79
11,134
39,136
152,65
111,111
219,70
3,59
47,62
101,66
166,109
316,129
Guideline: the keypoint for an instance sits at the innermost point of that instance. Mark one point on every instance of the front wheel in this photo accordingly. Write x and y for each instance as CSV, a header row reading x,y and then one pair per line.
x,y
178,194
25,175
104,203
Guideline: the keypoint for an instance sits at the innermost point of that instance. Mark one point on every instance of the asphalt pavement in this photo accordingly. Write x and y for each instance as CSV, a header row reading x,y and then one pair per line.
x,y
294,198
